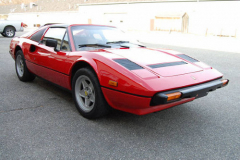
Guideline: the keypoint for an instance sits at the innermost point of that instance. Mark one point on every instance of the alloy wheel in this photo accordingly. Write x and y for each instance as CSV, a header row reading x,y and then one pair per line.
x,y
20,65
9,32
85,93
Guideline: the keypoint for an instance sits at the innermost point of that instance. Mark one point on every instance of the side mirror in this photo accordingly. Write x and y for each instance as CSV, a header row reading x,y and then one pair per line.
x,y
52,43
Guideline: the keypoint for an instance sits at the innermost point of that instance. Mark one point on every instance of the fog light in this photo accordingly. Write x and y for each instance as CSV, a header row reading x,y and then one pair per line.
x,y
172,96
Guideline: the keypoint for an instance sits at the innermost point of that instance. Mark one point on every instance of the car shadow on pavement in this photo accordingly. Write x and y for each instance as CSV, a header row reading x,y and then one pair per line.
x,y
178,128
175,118
114,115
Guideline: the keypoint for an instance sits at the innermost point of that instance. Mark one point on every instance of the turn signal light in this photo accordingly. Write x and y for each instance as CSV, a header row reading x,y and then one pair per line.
x,y
172,96
113,83
224,82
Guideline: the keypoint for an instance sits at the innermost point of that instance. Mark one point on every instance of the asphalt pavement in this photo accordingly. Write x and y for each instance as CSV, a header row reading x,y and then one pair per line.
x,y
40,121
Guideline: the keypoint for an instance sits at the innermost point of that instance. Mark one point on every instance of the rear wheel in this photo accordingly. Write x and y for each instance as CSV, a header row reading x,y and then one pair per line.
x,y
87,94
21,68
3,34
9,32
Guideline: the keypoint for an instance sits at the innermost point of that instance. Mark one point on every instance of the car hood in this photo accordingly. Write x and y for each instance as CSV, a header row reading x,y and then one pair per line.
x,y
160,62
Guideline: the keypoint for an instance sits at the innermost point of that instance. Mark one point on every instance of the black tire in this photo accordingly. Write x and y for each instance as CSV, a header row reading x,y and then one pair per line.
x,y
3,34
21,68
9,32
95,109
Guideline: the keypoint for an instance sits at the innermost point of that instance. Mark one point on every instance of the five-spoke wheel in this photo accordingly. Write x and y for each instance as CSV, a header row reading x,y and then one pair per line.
x,y
21,68
20,65
87,94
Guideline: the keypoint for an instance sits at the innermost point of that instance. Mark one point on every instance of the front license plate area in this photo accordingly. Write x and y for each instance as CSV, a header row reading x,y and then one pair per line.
x,y
202,94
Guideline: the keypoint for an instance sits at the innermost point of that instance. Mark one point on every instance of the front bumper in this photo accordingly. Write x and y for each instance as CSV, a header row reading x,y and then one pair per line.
x,y
196,91
136,104
142,105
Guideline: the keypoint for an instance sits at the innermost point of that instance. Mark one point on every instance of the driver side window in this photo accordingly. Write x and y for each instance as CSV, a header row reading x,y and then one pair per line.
x,y
65,43
57,34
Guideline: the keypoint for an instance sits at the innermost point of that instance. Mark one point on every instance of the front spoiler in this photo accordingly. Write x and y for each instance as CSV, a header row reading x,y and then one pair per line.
x,y
196,91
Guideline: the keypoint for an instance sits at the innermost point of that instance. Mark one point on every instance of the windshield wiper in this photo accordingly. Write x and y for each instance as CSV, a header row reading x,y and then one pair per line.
x,y
125,42
95,44
141,45
118,42
124,46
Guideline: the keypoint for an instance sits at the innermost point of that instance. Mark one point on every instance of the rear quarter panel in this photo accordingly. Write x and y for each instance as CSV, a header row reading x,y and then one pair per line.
x,y
22,43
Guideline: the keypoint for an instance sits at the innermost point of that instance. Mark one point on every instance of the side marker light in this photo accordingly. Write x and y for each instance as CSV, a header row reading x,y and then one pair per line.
x,y
172,96
113,83
225,82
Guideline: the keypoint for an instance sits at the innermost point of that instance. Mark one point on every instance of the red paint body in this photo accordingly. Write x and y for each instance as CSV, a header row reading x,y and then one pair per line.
x,y
135,87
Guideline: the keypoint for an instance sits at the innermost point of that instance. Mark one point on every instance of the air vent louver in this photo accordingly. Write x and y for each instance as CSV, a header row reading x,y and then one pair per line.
x,y
128,64
167,64
187,58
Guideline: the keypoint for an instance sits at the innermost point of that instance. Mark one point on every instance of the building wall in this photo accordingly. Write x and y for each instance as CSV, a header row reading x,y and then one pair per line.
x,y
168,24
46,17
211,17
3,16
216,18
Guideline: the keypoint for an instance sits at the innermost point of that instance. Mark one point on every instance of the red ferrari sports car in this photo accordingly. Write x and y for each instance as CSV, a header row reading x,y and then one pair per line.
x,y
104,69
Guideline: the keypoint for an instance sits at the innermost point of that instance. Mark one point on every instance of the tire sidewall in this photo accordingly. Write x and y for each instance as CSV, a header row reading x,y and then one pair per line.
x,y
100,103
27,76
17,54
3,34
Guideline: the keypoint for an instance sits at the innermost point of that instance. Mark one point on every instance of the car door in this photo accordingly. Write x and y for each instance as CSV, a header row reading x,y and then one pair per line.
x,y
52,62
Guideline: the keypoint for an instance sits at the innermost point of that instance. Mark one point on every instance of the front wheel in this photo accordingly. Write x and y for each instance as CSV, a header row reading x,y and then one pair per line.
x,y
87,94
21,68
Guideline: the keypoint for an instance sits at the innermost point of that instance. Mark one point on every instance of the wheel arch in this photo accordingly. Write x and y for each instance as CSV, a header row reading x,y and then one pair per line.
x,y
17,48
82,64
9,26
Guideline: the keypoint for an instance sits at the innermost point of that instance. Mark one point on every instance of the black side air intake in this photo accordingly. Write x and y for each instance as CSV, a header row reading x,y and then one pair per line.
x,y
187,58
128,64
167,64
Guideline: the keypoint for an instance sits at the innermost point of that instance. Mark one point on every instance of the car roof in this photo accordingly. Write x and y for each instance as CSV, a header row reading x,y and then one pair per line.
x,y
57,25
52,25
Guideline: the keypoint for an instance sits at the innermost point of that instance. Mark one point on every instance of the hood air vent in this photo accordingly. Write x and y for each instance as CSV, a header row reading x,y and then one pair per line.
x,y
167,64
187,58
128,64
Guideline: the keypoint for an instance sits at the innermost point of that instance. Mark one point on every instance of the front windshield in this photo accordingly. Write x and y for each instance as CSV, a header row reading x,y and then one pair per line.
x,y
92,37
